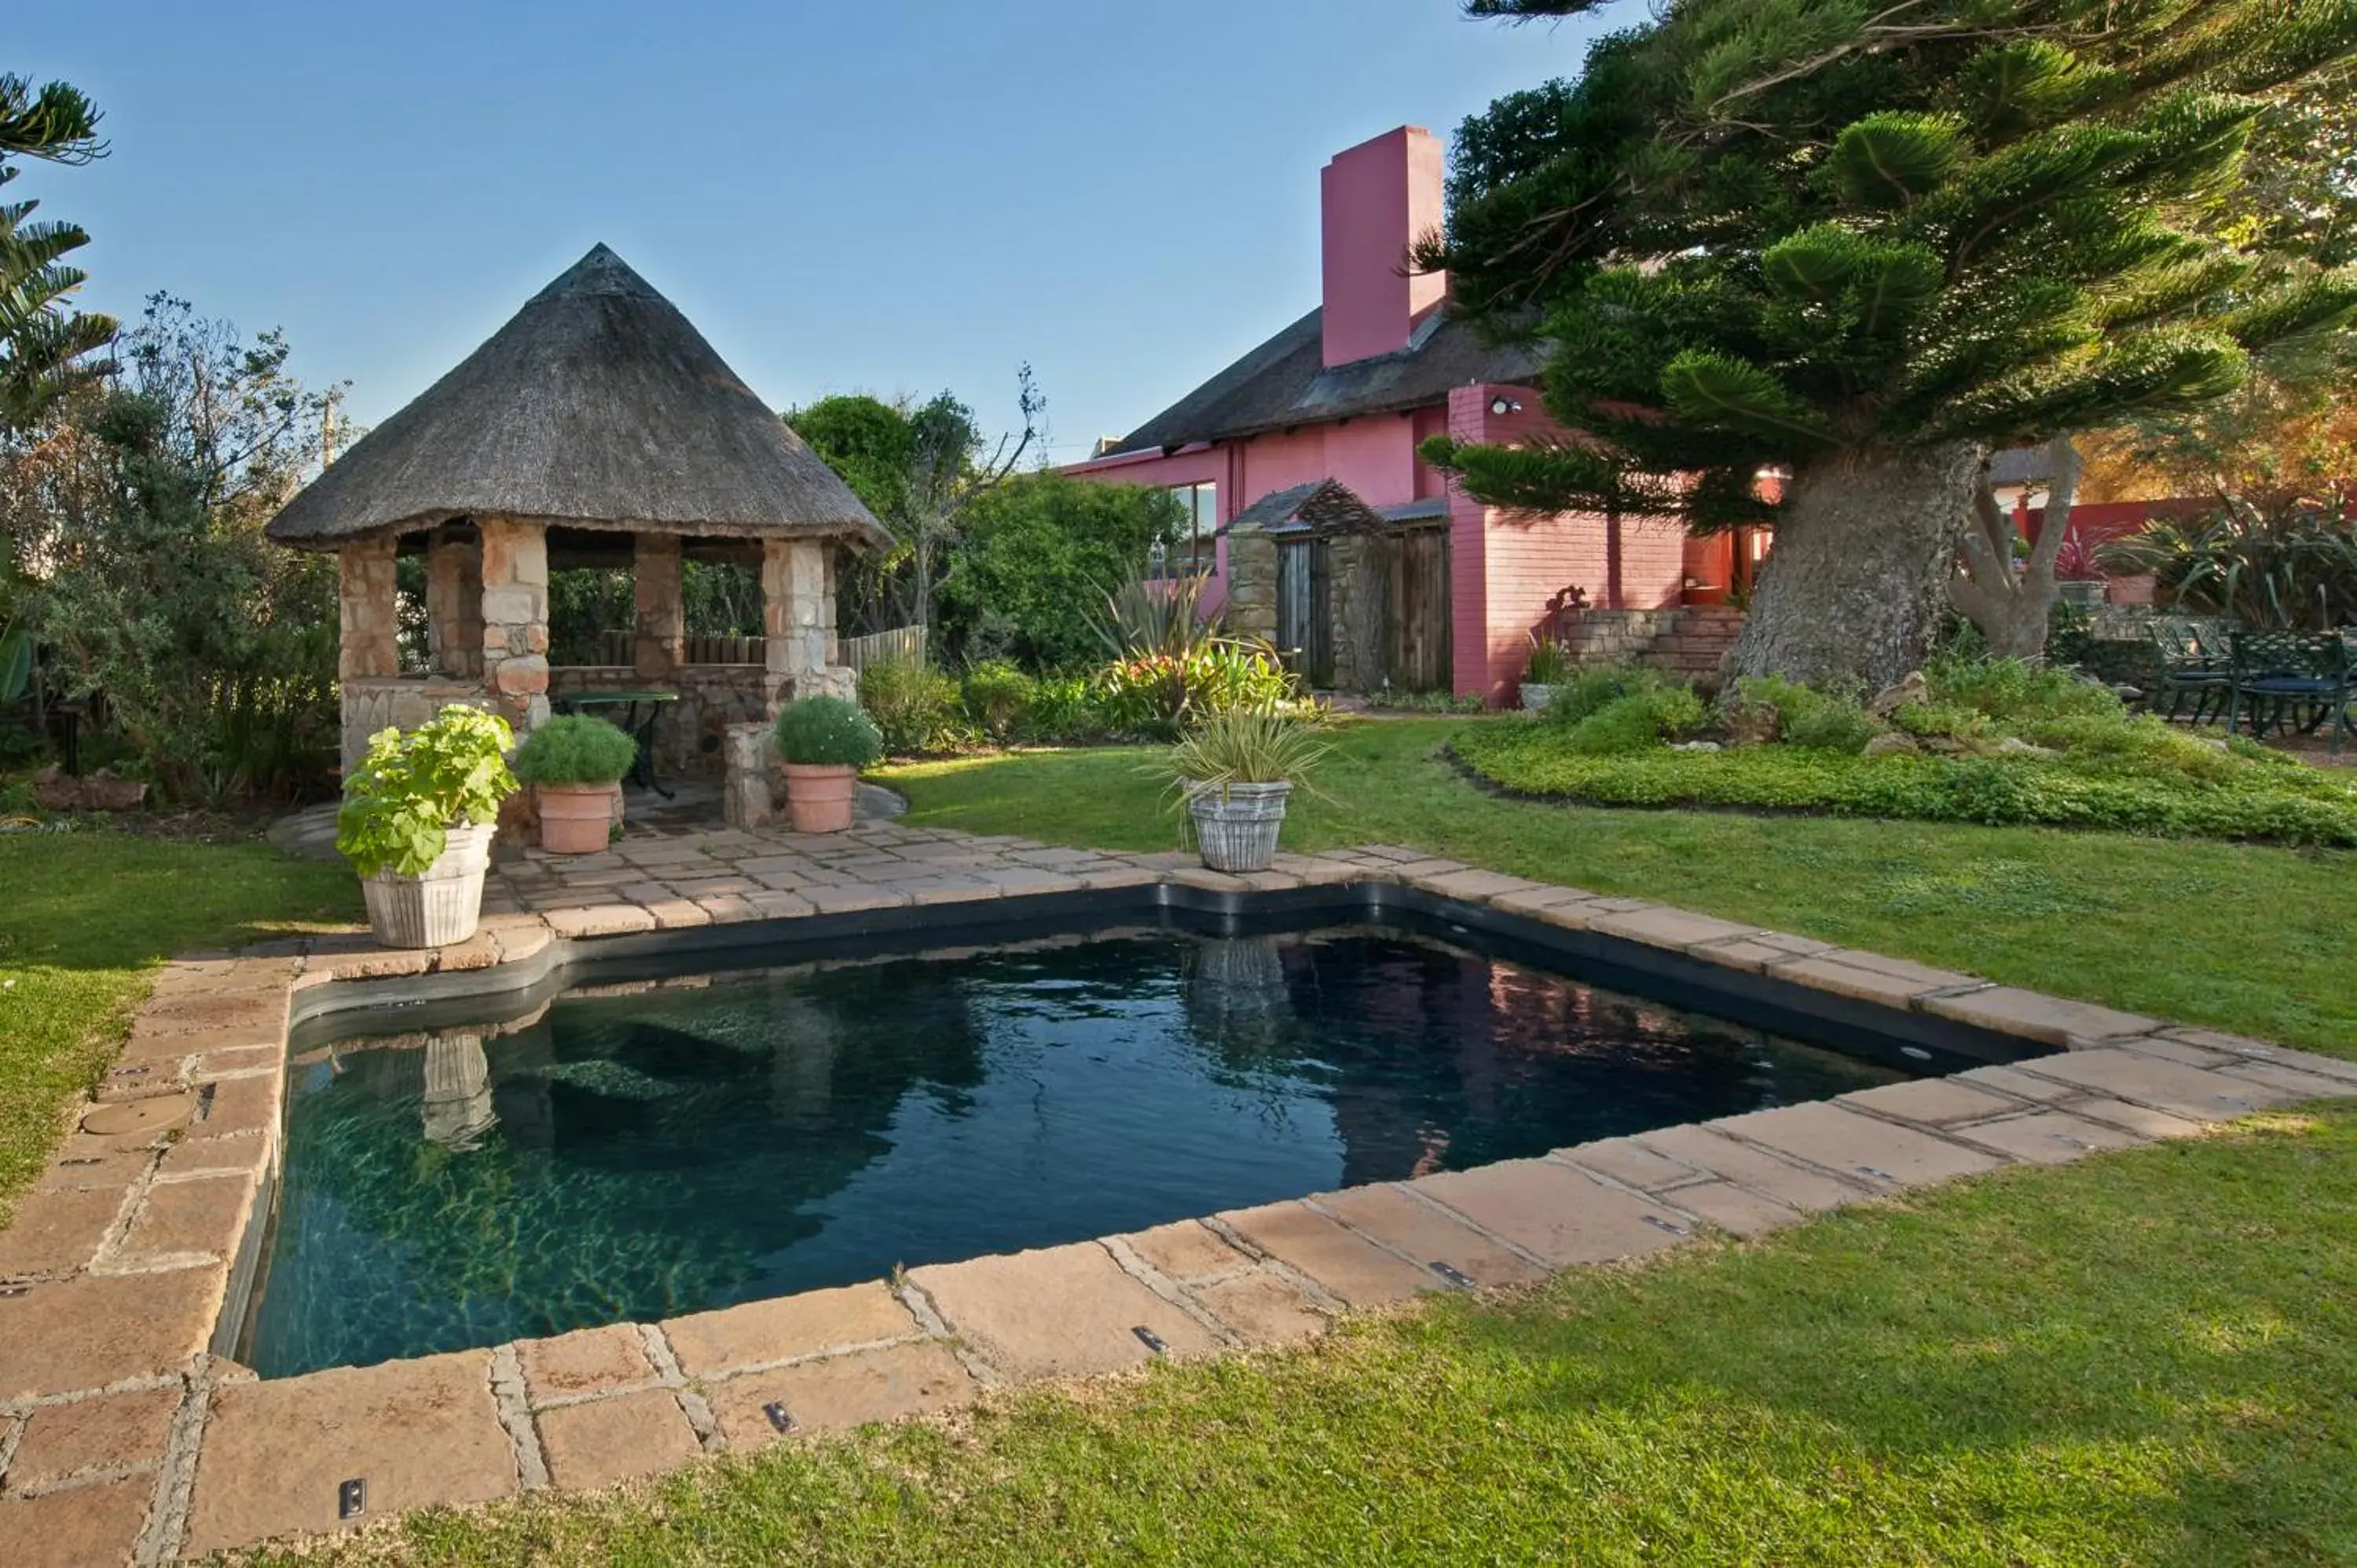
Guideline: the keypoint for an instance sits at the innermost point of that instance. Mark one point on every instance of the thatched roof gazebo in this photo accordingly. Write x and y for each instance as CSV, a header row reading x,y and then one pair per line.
x,y
597,427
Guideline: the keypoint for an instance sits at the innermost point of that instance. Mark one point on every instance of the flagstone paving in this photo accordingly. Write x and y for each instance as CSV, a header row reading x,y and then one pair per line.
x,y
123,1438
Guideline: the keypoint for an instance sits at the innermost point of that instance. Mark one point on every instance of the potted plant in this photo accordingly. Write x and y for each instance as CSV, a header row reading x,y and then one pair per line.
x,y
575,764
825,741
1236,771
2078,578
1549,669
416,823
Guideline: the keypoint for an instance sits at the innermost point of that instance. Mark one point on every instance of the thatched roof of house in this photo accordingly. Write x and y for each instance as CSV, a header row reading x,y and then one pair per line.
x,y
1324,506
1285,381
597,406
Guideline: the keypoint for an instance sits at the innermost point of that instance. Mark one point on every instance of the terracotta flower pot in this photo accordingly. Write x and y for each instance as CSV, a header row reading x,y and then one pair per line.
x,y
819,796
576,819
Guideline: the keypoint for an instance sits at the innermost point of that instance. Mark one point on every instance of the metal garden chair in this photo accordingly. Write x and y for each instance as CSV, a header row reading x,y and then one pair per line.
x,y
2283,674
2195,662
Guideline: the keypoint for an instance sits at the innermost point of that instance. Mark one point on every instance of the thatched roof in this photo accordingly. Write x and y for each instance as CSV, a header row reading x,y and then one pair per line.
x,y
597,406
1285,381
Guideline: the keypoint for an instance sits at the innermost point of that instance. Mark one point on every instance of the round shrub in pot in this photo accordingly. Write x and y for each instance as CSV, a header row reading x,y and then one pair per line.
x,y
575,764
1237,771
825,741
416,823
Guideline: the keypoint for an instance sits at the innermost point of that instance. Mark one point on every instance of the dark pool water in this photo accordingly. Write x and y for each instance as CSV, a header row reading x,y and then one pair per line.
x,y
639,1155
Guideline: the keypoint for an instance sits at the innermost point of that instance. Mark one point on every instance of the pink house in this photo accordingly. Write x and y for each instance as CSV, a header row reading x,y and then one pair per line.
x,y
1346,393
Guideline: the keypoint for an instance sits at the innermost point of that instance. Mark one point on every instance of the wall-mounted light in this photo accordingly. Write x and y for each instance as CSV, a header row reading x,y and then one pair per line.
x,y
1504,405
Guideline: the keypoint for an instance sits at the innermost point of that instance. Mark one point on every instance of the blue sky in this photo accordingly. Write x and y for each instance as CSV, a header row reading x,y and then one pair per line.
x,y
891,197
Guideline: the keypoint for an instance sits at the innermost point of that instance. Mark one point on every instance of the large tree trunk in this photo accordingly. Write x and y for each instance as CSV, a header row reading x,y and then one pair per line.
x,y
1865,545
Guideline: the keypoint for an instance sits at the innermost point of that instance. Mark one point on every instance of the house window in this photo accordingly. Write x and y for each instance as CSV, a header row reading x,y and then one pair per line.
x,y
1195,553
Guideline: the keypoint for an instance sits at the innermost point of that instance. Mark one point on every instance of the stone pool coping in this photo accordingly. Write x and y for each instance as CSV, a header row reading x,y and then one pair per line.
x,y
126,1435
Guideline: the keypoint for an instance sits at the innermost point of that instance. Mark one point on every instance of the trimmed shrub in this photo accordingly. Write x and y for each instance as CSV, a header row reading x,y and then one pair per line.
x,y
827,732
998,696
575,748
915,707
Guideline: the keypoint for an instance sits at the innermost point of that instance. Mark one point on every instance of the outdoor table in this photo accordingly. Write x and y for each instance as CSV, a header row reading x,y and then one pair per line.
x,y
639,711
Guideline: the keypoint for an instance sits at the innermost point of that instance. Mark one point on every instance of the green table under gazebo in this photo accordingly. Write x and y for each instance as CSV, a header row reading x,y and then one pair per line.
x,y
641,712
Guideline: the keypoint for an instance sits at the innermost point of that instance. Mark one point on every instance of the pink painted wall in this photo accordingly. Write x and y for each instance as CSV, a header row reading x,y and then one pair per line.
x,y
1377,198
1511,571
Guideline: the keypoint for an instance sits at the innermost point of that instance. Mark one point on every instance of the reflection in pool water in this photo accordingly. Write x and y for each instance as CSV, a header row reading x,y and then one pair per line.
x,y
662,1150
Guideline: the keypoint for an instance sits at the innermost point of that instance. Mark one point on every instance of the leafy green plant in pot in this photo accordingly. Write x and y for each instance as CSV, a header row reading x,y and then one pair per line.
x,y
416,823
825,741
575,764
1237,771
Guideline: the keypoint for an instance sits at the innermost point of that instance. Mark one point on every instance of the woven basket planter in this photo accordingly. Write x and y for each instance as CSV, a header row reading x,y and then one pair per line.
x,y
438,906
1535,697
1236,828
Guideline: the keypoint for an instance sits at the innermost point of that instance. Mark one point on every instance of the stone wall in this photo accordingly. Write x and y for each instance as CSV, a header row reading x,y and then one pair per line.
x,y
375,703
1358,599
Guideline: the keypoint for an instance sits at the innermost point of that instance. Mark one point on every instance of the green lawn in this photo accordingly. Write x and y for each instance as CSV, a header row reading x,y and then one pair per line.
x,y
2241,938
2147,1358
83,917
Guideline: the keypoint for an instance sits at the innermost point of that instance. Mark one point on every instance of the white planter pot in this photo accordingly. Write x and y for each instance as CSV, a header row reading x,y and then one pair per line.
x,y
1236,828
438,906
1536,696
2082,591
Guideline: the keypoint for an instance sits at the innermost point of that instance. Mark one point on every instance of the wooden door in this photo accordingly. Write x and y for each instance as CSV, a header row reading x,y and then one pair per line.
x,y
1418,651
1302,597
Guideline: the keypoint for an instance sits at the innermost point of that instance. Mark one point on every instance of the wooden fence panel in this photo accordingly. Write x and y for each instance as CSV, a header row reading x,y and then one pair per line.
x,y
902,645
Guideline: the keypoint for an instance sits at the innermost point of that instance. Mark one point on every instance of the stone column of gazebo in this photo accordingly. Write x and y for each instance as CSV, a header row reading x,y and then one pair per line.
x,y
596,427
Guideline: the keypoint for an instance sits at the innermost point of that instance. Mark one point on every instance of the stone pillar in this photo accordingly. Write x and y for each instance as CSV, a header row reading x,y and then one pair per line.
x,y
364,580
454,604
748,798
657,650
798,621
515,620
1252,584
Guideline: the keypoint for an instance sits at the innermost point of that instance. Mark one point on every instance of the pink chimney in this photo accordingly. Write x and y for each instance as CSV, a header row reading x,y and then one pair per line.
x,y
1378,198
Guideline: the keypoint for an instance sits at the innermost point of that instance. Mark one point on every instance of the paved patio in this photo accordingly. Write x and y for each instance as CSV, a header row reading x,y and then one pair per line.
x,y
125,1436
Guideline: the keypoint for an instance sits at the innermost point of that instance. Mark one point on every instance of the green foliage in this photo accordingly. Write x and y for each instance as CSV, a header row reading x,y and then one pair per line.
x,y
2016,689
1550,664
215,648
1399,701
1246,746
999,698
914,705
1163,617
828,732
2289,563
2228,798
1064,711
575,748
1808,717
1024,577
410,789
1639,721
1154,696
1585,688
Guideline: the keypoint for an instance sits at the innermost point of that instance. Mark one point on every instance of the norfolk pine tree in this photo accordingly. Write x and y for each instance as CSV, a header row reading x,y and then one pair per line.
x,y
44,345
1865,241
